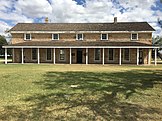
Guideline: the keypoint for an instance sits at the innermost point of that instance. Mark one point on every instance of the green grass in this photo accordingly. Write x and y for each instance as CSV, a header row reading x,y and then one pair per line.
x,y
110,92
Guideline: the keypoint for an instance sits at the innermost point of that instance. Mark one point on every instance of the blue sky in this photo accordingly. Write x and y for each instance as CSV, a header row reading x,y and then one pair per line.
x,y
15,11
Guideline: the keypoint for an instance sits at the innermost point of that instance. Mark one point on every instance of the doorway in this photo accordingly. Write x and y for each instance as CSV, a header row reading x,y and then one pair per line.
x,y
79,56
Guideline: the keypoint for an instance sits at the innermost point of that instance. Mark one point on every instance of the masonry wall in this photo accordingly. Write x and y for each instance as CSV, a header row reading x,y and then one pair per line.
x,y
19,37
28,56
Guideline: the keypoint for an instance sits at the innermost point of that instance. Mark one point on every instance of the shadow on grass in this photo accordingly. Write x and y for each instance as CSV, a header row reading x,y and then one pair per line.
x,y
89,96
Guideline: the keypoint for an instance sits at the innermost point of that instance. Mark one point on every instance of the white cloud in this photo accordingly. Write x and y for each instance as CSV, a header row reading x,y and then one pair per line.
x,y
34,8
3,26
70,11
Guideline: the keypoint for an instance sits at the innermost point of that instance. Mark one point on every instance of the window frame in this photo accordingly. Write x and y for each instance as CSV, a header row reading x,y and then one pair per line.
x,y
124,55
64,54
132,36
57,35
36,54
95,54
26,36
77,37
113,54
47,54
107,36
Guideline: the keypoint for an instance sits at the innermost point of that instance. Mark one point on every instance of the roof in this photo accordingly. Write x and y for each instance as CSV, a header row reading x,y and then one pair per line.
x,y
79,43
119,26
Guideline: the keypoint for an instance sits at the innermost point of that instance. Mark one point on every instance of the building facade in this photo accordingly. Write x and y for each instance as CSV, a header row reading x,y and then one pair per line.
x,y
82,43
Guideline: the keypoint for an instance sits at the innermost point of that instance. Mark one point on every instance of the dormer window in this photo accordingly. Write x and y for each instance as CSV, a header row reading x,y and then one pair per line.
x,y
134,36
27,36
79,37
104,36
55,36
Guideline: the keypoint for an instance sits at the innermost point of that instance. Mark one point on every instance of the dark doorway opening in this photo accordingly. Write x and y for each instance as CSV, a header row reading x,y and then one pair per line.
x,y
140,56
79,56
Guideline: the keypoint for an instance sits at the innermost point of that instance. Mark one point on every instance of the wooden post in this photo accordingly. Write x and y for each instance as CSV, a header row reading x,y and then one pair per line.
x,y
103,56
70,55
155,56
22,56
38,57
137,56
86,56
149,57
120,57
54,56
13,55
5,55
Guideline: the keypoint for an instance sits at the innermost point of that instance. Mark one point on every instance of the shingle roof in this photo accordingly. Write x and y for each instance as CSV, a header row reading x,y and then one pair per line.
x,y
120,26
80,43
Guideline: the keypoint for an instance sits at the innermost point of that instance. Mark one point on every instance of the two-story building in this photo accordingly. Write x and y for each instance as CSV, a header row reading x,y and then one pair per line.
x,y
83,43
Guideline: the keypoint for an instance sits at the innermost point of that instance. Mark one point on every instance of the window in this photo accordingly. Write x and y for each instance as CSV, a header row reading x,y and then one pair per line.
x,y
134,36
27,36
97,54
34,54
111,54
126,54
62,55
79,37
104,36
49,54
55,36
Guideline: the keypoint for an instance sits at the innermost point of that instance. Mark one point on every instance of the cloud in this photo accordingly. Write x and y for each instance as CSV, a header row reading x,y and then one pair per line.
x,y
40,8
70,11
3,26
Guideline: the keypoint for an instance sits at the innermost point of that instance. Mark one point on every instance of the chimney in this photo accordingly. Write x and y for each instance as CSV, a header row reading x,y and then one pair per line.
x,y
115,20
46,20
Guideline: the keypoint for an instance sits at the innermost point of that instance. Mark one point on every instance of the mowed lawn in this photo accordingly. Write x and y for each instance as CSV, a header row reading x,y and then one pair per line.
x,y
80,92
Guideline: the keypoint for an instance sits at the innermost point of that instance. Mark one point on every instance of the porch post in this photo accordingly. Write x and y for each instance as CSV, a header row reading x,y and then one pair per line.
x,y
155,56
22,56
120,57
38,57
149,57
137,56
86,56
54,56
103,56
5,55
70,55
13,55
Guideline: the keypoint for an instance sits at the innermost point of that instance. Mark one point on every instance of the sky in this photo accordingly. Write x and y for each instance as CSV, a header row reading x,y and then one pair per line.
x,y
58,11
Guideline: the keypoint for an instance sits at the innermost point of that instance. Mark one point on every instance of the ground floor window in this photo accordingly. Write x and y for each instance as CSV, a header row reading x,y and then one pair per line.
x,y
49,54
126,54
97,54
34,54
62,55
111,54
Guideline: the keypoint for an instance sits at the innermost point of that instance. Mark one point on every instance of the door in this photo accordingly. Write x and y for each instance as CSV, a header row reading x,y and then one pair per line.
x,y
140,56
79,56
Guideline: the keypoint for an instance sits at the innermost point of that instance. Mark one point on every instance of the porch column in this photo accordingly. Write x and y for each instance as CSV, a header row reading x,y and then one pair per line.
x,y
70,55
13,55
22,56
137,56
103,56
38,57
149,57
155,56
120,57
86,56
54,56
5,55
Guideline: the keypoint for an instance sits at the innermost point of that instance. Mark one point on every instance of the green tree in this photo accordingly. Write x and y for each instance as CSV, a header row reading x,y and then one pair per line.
x,y
2,42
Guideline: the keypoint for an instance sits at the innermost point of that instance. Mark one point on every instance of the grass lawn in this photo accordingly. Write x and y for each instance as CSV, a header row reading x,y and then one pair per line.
x,y
80,92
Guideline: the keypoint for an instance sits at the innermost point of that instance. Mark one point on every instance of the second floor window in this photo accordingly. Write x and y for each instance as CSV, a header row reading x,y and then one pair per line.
x,y
134,36
27,36
104,36
55,36
79,37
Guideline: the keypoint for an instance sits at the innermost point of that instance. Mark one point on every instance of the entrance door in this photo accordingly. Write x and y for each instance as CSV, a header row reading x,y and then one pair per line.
x,y
140,56
79,56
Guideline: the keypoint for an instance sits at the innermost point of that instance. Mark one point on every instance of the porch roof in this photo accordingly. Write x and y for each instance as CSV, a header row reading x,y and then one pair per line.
x,y
80,44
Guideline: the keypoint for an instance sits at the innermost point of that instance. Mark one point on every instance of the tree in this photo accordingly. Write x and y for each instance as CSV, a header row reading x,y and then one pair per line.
x,y
2,42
